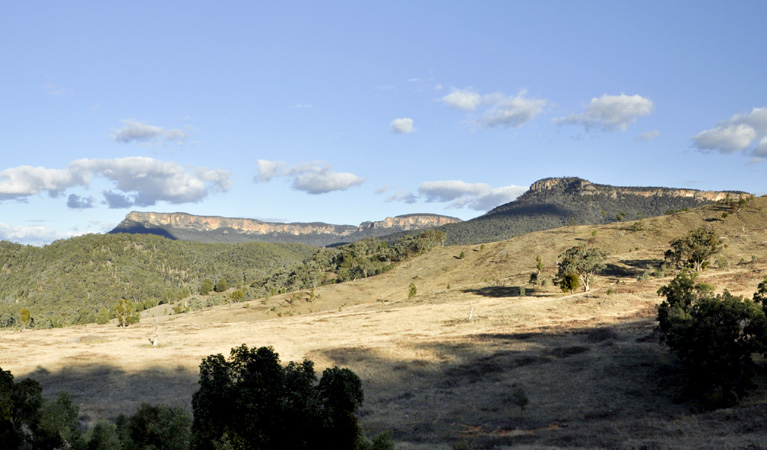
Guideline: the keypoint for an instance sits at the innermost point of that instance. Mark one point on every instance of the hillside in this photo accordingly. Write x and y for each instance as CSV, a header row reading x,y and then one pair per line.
x,y
438,368
69,281
556,202
187,227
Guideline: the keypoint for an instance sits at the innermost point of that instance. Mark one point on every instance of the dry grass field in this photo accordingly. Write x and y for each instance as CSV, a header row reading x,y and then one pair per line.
x,y
438,369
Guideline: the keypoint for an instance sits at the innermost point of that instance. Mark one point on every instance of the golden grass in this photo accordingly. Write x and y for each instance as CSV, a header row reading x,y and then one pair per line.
x,y
589,362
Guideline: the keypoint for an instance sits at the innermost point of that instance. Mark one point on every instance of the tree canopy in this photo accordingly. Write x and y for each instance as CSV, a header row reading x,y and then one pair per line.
x,y
694,249
714,336
583,262
250,401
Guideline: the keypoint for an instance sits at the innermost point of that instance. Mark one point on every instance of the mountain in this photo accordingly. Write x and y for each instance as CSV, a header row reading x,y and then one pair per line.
x,y
187,227
555,202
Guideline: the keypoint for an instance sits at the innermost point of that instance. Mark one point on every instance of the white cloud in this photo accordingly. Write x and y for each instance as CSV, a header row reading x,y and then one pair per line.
x,y
745,132
312,178
499,109
35,235
648,135
463,99
141,181
269,169
25,181
403,125
477,196
610,112
141,132
510,111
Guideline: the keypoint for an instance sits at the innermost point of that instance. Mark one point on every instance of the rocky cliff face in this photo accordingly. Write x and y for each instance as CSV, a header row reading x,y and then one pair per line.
x,y
579,186
225,229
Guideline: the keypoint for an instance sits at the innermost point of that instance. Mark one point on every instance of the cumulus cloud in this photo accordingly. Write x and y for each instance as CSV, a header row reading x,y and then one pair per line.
x,y
648,135
463,99
610,112
141,132
35,235
75,201
510,111
460,194
141,181
498,109
25,181
312,178
742,132
403,125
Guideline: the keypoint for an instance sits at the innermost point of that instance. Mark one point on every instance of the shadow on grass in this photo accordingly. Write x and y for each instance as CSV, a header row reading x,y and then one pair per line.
x,y
104,391
501,291
590,387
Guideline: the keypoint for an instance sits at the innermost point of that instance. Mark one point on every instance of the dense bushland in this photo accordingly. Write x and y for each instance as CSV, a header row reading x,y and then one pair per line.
x,y
70,281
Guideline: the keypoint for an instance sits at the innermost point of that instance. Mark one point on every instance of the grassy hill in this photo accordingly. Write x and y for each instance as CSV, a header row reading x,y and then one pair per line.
x,y
69,281
438,368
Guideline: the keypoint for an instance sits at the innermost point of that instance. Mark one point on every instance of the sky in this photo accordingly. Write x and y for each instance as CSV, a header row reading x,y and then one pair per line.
x,y
344,112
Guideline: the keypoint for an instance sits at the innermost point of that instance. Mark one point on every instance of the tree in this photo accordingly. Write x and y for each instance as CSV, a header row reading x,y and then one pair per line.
x,y
583,262
206,286
19,410
157,427
221,285
103,436
58,424
694,249
24,317
251,401
412,290
125,311
714,337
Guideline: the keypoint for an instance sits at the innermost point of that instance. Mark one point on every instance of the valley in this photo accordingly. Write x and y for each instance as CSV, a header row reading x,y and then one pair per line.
x,y
438,367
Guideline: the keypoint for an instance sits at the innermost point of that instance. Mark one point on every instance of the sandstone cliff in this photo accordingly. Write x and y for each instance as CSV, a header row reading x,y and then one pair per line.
x,y
225,229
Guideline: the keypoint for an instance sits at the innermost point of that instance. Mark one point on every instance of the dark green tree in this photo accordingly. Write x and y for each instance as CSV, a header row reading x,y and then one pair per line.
x,y
58,424
206,286
103,436
157,427
19,410
584,262
221,285
251,401
694,249
714,337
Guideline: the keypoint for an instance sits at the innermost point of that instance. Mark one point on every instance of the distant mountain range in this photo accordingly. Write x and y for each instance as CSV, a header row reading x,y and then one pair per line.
x,y
555,202
549,203
187,227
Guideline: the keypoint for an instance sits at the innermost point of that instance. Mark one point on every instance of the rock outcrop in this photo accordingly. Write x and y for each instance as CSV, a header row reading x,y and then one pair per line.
x,y
226,229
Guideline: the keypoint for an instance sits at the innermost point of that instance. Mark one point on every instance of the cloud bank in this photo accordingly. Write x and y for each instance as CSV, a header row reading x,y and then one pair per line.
x,y
138,181
312,178
497,109
134,131
745,132
610,112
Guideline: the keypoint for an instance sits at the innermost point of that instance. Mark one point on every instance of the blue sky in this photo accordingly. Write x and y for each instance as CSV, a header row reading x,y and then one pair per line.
x,y
343,112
